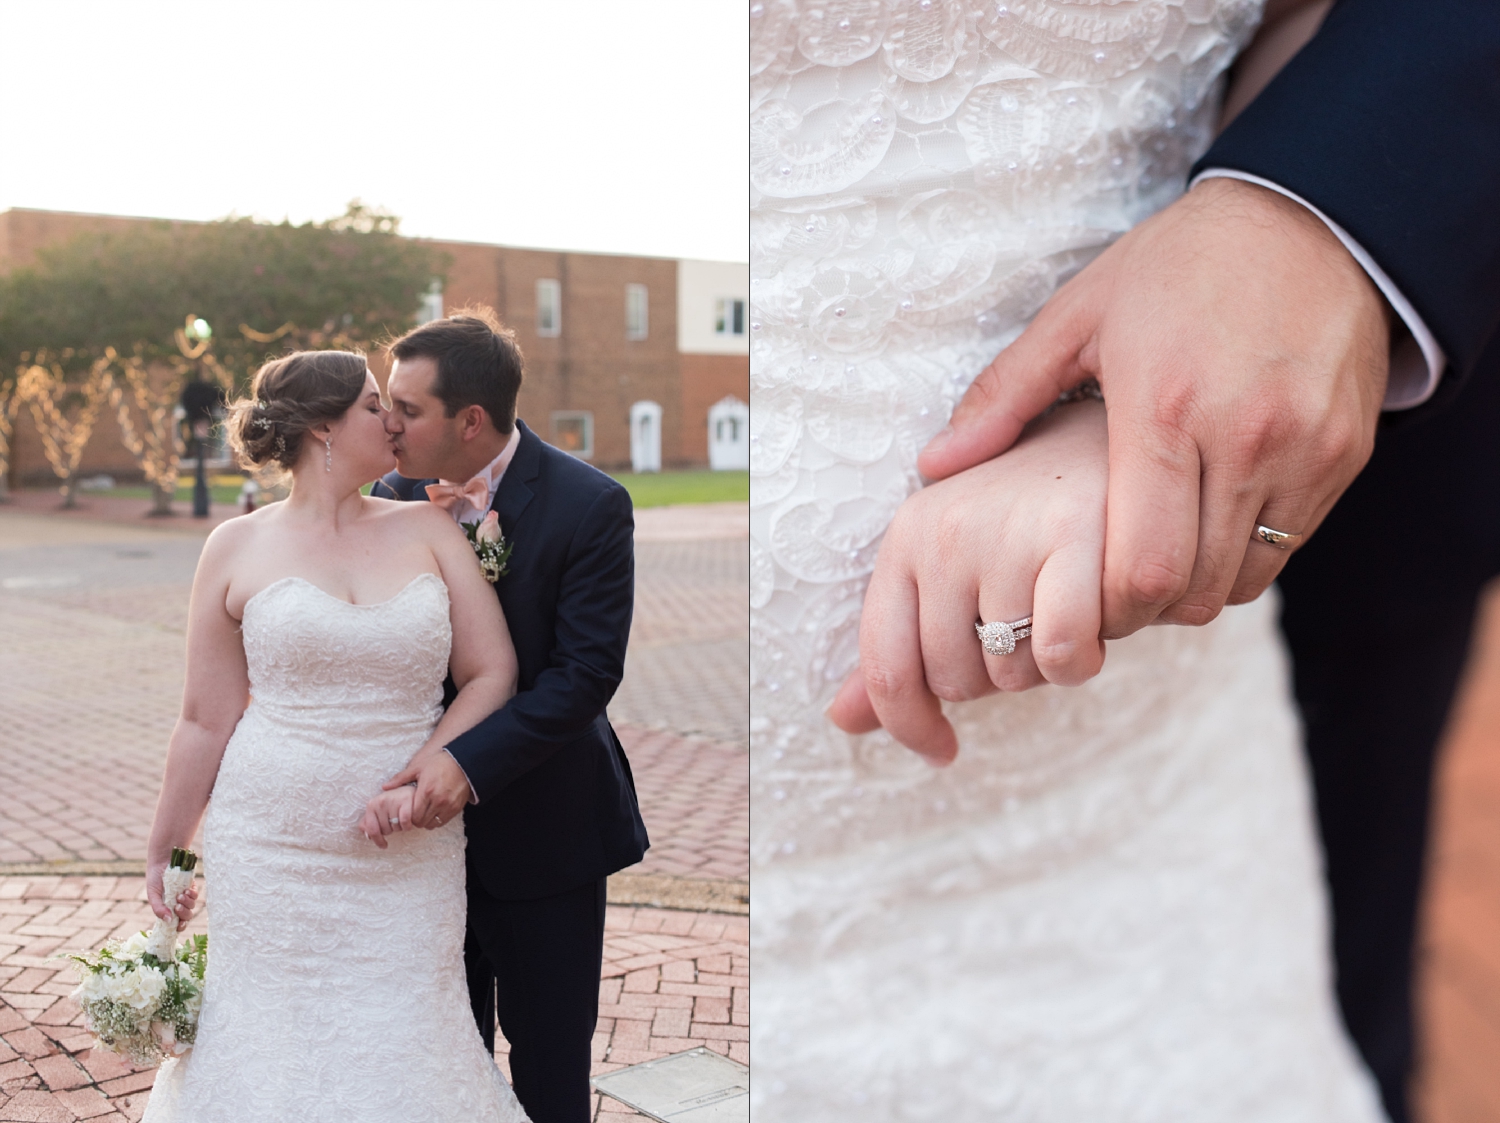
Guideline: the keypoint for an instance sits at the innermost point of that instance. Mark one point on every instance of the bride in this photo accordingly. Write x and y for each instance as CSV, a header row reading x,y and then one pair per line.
x,y
320,632
1108,907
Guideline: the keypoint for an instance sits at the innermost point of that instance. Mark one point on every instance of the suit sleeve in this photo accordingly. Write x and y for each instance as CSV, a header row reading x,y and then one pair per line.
x,y
1388,121
595,600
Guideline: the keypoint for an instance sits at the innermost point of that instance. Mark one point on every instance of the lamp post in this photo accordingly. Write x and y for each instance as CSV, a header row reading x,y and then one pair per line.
x,y
198,401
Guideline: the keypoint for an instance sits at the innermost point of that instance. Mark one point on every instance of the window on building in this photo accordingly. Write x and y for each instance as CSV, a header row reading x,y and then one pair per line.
x,y
432,303
635,312
730,317
573,431
548,308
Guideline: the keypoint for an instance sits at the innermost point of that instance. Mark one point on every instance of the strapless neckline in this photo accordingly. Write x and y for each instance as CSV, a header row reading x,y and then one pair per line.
x,y
340,600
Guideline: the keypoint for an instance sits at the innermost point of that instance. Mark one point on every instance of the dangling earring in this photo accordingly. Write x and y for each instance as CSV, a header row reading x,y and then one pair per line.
x,y
328,453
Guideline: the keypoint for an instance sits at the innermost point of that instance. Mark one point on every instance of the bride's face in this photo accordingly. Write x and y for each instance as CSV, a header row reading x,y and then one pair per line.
x,y
361,445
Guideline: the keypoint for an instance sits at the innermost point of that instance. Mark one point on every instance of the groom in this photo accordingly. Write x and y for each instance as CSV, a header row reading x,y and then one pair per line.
x,y
546,793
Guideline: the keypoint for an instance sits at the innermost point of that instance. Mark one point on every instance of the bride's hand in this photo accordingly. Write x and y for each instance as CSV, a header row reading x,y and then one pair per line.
x,y
187,900
386,813
1020,535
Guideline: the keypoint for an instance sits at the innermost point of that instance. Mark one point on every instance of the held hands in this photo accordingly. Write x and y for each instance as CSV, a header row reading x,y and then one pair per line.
x,y
1243,354
187,901
430,791
1020,535
387,813
441,792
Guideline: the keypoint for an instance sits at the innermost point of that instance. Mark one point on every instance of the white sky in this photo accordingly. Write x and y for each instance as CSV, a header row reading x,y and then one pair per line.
x,y
572,125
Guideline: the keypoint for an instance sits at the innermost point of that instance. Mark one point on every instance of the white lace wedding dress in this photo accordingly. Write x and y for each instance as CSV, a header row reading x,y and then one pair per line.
x,y
1110,907
335,987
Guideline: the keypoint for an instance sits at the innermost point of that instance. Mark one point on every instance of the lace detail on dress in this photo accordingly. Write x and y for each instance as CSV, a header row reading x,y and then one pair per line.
x,y
335,987
925,174
1109,907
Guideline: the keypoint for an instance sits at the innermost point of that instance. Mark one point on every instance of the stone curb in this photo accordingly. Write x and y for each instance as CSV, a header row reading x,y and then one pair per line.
x,y
690,894
649,890
121,868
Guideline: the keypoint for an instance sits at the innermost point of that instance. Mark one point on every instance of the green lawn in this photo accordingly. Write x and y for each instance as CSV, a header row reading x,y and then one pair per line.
x,y
665,489
649,489
184,494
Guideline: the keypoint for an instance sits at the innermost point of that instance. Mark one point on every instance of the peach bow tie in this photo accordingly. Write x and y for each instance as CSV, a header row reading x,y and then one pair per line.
x,y
446,495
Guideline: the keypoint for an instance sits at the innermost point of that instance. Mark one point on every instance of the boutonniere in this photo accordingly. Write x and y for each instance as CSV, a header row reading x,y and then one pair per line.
x,y
490,546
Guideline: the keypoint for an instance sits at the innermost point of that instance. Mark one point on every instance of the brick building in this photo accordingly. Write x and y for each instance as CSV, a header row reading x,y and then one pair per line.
x,y
600,332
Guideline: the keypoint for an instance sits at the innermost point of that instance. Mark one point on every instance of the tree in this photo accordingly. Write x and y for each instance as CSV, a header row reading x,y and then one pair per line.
x,y
64,412
264,289
153,442
10,402
352,278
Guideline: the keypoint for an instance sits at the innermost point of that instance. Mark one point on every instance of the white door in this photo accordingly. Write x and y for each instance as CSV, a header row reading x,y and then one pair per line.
x,y
729,435
645,437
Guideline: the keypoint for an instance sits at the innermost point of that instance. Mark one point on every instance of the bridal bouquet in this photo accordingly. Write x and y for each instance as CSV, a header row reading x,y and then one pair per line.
x,y
141,995
490,546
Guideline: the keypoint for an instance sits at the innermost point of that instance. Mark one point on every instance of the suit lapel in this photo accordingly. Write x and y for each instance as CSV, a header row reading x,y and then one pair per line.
x,y
515,493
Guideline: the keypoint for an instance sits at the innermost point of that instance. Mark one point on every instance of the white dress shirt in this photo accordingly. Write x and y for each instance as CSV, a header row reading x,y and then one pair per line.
x,y
463,512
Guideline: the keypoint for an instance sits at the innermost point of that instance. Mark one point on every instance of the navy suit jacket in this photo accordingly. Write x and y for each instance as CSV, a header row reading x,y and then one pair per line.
x,y
557,806
1388,121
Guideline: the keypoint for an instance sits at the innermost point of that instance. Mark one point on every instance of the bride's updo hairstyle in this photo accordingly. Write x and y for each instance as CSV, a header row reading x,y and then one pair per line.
x,y
288,397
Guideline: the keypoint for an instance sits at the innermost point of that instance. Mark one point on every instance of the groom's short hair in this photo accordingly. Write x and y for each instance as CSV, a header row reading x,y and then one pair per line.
x,y
478,362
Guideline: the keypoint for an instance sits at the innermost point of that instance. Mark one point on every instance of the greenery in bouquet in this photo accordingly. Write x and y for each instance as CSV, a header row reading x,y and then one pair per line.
x,y
142,995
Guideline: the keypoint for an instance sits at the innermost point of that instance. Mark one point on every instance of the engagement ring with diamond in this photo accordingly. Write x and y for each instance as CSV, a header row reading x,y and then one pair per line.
x,y
1000,638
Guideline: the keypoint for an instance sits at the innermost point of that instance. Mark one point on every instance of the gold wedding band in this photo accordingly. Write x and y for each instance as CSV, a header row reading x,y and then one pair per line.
x,y
1277,538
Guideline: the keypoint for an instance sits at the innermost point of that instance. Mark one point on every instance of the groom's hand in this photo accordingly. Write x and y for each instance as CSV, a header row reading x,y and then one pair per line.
x,y
442,790
1242,352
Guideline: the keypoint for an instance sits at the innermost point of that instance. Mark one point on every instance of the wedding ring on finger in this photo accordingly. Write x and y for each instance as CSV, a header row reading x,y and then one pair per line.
x,y
1000,638
1278,538
395,822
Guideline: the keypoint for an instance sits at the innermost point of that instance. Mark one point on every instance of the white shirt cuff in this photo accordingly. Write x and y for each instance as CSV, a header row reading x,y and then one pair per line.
x,y
1417,362
473,795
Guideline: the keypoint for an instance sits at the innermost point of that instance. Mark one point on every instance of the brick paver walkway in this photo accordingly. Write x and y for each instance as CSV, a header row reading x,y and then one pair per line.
x,y
92,614
688,665
91,680
695,798
671,981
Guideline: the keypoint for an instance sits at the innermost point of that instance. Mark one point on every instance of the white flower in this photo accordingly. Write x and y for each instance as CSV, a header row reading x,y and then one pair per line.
x,y
489,529
140,988
92,989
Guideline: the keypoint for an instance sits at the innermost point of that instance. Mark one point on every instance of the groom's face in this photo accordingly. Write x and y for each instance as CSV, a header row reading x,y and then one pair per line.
x,y
425,438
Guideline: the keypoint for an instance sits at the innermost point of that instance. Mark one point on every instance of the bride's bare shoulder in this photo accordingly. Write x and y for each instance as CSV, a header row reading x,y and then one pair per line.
x,y
428,520
233,539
